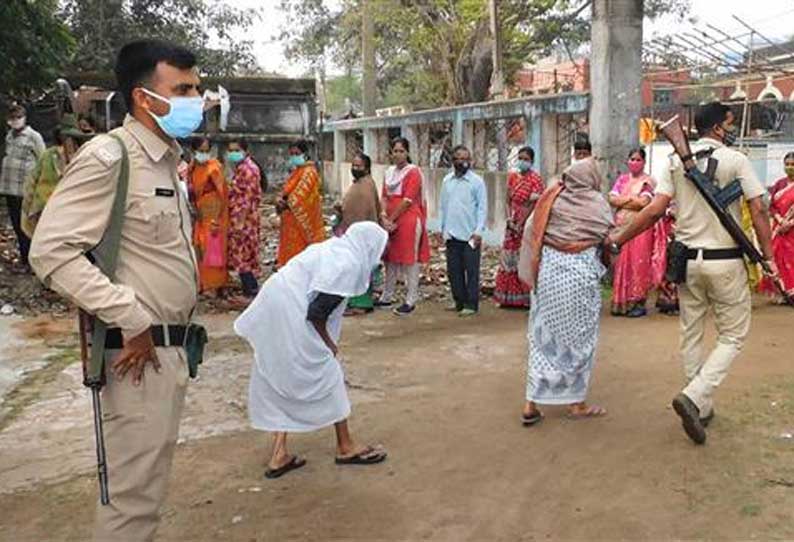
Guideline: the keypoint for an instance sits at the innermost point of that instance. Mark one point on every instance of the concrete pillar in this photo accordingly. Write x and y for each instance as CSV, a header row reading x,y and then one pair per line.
x,y
410,132
333,183
458,127
616,67
382,139
502,144
418,137
533,135
370,142
541,135
468,136
340,146
479,148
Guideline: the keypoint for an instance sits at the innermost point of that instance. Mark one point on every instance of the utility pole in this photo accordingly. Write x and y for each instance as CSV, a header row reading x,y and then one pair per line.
x,y
746,106
497,76
615,83
368,58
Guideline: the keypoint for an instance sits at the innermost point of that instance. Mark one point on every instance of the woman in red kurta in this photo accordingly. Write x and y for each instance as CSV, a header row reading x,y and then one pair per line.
x,y
782,209
405,217
524,187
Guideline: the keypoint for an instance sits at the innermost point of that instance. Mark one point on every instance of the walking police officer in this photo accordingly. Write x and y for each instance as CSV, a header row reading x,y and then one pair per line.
x,y
716,277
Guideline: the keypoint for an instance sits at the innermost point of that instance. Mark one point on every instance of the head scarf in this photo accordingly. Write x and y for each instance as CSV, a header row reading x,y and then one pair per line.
x,y
580,213
344,264
571,215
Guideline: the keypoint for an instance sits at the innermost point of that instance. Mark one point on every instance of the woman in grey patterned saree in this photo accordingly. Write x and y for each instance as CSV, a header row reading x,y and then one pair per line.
x,y
561,264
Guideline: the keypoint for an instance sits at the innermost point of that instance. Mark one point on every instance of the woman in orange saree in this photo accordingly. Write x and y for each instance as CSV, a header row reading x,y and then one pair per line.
x,y
300,206
211,200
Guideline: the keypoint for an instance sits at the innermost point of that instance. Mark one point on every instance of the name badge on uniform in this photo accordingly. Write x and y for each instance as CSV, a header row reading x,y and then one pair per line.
x,y
165,192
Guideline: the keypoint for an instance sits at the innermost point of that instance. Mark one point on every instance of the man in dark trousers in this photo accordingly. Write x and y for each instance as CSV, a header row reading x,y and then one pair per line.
x,y
24,147
464,209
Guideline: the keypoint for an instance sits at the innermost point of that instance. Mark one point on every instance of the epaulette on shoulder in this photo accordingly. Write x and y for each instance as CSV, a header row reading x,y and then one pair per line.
x,y
107,151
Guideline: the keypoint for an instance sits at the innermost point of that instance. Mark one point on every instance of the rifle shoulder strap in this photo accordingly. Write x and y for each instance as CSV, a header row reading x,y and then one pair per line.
x,y
106,257
711,163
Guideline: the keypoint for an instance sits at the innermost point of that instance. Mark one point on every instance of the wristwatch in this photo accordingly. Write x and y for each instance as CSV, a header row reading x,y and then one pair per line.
x,y
614,248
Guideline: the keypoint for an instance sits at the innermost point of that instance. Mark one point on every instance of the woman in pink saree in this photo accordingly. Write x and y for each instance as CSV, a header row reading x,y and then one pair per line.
x,y
632,269
781,207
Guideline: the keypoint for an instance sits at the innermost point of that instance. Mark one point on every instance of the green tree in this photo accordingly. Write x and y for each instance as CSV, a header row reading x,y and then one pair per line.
x,y
343,93
208,28
433,52
34,46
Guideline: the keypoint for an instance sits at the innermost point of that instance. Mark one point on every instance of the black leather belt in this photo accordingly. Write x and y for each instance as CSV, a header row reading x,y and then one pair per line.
x,y
175,335
715,253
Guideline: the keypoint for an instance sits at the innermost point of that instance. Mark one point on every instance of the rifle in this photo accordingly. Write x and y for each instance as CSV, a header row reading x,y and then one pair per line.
x,y
718,199
94,379
104,256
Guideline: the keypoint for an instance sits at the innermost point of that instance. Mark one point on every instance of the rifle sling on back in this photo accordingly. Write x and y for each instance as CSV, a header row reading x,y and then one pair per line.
x,y
105,256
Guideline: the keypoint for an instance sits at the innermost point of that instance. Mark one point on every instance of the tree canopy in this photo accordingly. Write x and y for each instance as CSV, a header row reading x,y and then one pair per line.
x,y
434,52
41,40
210,29
34,45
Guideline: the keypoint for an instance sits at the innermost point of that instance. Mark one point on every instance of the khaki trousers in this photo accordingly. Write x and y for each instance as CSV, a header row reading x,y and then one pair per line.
x,y
141,426
720,285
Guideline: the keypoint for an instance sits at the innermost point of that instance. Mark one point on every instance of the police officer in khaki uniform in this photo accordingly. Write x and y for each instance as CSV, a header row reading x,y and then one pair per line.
x,y
716,275
154,293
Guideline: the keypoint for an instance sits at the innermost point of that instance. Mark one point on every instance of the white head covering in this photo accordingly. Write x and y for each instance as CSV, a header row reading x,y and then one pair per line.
x,y
296,384
346,262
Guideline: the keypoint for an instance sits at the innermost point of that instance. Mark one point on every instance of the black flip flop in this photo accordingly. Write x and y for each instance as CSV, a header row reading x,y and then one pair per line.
x,y
294,463
368,456
532,419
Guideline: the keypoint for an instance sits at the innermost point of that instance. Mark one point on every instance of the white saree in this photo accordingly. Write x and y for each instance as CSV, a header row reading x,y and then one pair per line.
x,y
297,384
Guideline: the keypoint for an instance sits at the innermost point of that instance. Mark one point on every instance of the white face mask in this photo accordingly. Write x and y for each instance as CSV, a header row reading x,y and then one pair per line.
x,y
17,124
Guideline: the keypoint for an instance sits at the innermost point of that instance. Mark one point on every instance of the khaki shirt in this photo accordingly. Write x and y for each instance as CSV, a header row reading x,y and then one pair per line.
x,y
156,277
696,224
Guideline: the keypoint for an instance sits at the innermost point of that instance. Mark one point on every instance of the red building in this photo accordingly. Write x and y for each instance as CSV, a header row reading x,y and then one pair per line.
x,y
549,77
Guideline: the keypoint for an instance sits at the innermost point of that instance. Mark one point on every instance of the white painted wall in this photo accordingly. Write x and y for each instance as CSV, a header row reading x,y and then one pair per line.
x,y
338,179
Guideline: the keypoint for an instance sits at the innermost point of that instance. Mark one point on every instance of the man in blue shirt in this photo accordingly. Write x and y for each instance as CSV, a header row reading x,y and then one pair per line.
x,y
464,208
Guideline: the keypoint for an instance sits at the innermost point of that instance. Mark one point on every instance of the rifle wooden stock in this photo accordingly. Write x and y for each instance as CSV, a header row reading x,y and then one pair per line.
x,y
674,133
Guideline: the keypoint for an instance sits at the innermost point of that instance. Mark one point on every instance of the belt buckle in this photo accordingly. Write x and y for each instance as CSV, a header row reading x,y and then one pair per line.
x,y
166,336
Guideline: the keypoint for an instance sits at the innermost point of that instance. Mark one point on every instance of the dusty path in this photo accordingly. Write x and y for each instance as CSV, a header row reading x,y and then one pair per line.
x,y
444,396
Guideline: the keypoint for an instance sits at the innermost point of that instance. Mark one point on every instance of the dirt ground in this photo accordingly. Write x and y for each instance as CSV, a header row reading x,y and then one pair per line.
x,y
444,396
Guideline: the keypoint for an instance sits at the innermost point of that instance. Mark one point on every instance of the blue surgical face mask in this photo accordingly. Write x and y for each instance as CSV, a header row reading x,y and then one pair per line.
x,y
297,160
201,157
235,157
183,117
523,165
